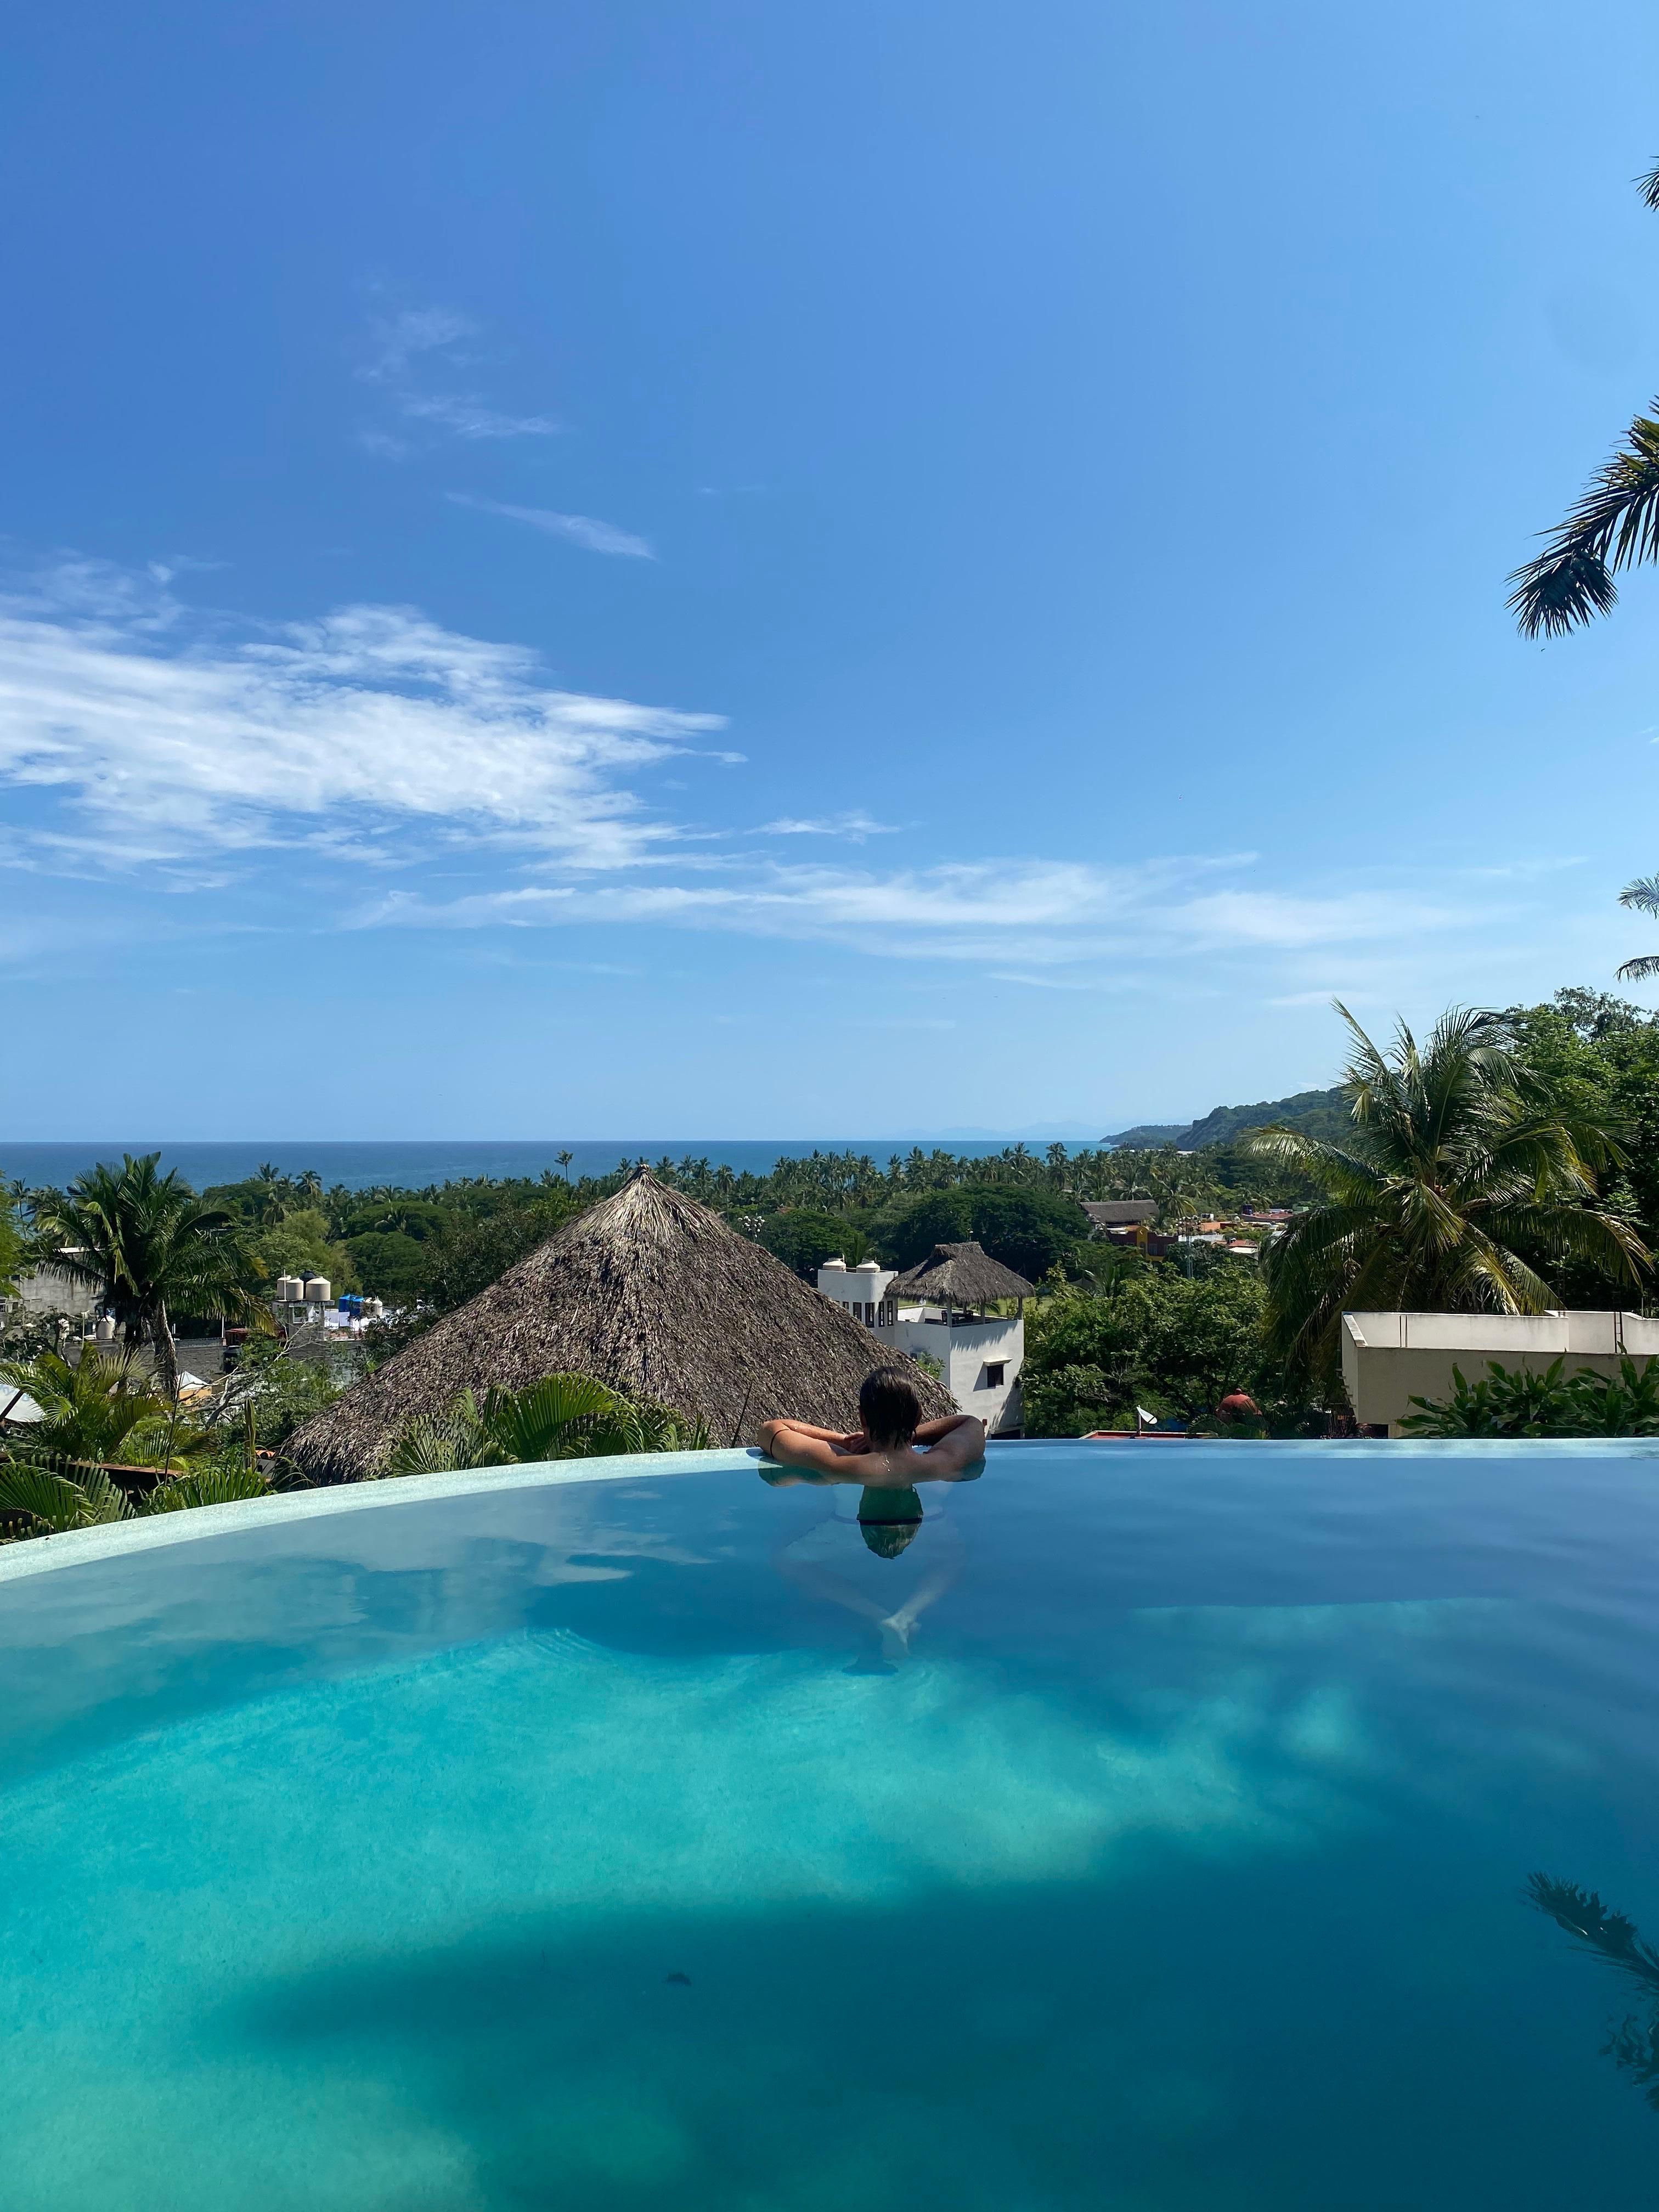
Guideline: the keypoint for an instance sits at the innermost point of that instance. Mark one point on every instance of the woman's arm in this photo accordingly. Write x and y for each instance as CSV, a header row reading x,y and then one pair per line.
x,y
929,1433
852,1443
955,1443
793,1444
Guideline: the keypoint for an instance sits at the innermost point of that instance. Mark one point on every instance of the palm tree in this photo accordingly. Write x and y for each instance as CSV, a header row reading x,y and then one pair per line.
x,y
99,1409
1644,895
1461,1166
564,1160
1615,524
152,1249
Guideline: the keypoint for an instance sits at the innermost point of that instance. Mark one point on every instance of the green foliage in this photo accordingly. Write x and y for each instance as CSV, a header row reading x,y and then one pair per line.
x,y
1157,1337
390,1264
100,1408
50,1501
1315,1113
1029,1230
299,1244
223,1484
561,1417
152,1251
11,1252
1517,1403
803,1239
51,1497
279,1391
1468,1173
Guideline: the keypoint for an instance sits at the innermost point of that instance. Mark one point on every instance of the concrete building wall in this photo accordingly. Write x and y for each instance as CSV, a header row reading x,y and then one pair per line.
x,y
1390,1358
967,1354
51,1290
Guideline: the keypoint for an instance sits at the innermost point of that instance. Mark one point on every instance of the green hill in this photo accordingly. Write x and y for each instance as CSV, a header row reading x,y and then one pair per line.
x,y
1315,1113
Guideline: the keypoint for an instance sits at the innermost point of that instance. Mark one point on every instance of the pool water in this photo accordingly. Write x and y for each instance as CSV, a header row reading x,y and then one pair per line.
x,y
1151,1832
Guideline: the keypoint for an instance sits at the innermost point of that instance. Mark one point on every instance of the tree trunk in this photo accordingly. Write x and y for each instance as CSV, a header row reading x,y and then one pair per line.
x,y
166,1354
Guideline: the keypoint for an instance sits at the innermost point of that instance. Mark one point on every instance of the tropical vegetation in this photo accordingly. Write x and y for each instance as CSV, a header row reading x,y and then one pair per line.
x,y
561,1417
152,1251
1468,1184
1520,1402
1614,526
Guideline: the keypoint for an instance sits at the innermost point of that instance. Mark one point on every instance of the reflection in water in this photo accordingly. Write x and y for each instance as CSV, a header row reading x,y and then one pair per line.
x,y
1633,2046
877,1552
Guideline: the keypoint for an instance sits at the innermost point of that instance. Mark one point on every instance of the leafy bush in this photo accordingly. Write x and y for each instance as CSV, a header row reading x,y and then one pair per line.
x,y
561,1417
1519,1403
52,1496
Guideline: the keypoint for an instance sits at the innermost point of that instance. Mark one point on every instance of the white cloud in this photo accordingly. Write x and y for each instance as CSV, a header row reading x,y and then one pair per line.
x,y
138,737
854,826
373,723
580,529
402,344
1038,912
469,418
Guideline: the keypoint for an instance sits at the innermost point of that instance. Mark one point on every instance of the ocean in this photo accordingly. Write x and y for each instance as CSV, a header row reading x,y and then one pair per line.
x,y
413,1166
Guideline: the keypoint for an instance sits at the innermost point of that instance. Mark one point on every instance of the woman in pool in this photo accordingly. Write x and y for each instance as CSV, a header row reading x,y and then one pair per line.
x,y
838,1557
894,1448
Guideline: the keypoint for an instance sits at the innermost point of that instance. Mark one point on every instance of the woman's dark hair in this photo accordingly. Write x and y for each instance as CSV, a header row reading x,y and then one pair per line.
x,y
889,1408
887,1538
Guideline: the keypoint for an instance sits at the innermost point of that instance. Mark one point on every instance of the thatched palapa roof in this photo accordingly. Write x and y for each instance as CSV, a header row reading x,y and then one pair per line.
x,y
960,1275
657,1297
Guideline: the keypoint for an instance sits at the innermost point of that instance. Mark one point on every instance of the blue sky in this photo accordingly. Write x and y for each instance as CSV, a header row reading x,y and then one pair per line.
x,y
752,571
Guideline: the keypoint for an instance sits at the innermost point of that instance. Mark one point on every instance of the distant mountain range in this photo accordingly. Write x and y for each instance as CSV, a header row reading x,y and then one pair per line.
x,y
1314,1113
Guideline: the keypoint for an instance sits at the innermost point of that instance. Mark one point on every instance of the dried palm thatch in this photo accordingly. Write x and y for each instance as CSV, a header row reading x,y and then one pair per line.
x,y
652,1294
960,1275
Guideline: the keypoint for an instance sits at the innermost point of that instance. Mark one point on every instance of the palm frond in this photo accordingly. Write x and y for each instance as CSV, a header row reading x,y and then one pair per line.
x,y
216,1485
1640,971
1613,524
1648,187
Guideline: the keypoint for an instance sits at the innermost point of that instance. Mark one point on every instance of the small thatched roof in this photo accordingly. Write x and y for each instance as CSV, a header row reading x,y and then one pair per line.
x,y
960,1275
654,1295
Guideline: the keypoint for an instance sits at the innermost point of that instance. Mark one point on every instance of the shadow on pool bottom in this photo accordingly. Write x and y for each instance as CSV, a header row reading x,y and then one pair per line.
x,y
1219,2041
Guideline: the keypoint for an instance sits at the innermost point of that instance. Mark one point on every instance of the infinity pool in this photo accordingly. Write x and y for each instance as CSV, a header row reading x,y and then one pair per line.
x,y
1151,1832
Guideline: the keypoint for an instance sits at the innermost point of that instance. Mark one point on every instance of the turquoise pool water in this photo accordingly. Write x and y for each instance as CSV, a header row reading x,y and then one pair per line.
x,y
1150,1834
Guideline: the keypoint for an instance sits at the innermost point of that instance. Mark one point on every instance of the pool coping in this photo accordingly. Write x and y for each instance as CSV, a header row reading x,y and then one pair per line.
x,y
73,1547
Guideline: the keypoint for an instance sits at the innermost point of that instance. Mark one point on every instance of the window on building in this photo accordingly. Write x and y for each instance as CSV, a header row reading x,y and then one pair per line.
x,y
996,1372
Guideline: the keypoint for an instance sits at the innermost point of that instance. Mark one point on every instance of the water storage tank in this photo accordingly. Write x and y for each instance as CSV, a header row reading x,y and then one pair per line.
x,y
318,1289
290,1290
106,1329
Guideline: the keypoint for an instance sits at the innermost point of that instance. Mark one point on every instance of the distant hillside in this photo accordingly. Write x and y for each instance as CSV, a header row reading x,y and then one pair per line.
x,y
1315,1113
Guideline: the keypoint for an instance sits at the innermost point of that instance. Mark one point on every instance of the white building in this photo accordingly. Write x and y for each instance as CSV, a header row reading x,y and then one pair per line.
x,y
978,1355
1390,1358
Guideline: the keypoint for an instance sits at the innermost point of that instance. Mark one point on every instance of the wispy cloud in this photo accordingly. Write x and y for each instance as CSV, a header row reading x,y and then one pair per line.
x,y
582,530
1041,914
397,340
403,348
349,734
855,827
469,416
181,749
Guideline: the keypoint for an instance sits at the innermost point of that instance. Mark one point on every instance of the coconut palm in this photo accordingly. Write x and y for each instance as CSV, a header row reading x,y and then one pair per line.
x,y
1461,1167
561,1417
1615,524
1644,895
152,1250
